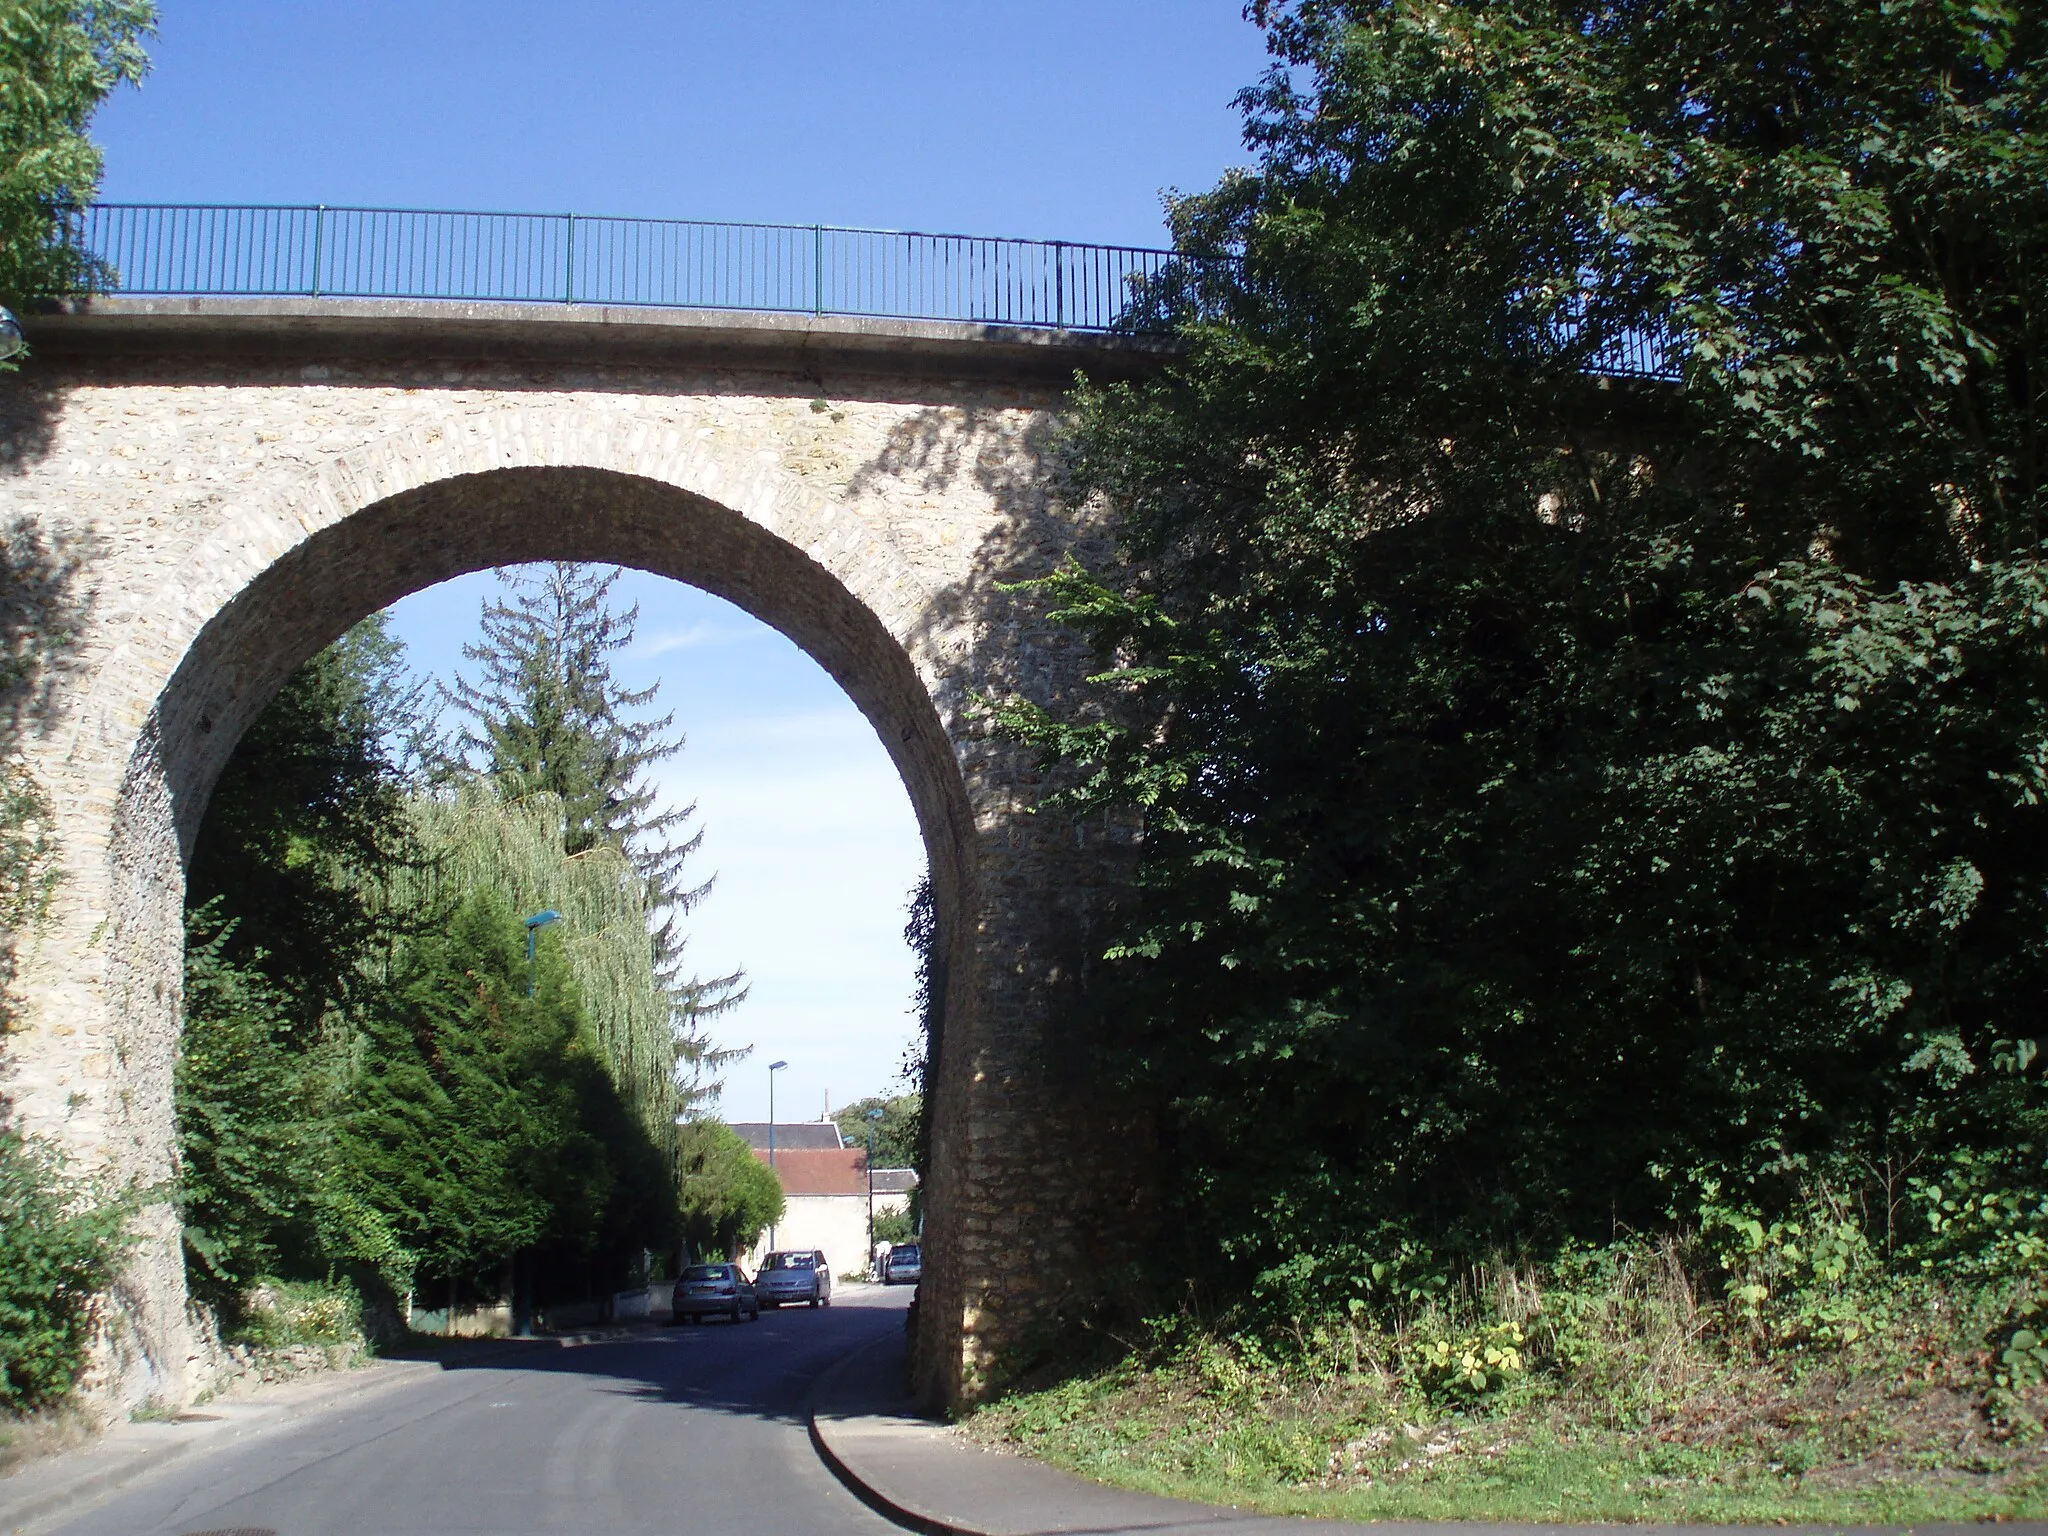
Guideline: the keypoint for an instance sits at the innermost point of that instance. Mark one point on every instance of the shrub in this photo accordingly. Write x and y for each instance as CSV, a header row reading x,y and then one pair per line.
x,y
281,1313
59,1244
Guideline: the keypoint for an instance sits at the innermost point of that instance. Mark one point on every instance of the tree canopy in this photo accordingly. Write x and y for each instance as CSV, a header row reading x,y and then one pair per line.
x,y
375,1080
896,1127
1571,799
59,59
729,1196
547,717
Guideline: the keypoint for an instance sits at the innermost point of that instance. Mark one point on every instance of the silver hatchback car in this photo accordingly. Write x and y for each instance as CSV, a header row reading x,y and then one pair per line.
x,y
795,1276
715,1290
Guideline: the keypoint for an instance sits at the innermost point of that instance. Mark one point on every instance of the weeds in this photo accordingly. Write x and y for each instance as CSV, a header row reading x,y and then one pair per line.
x,y
1731,1375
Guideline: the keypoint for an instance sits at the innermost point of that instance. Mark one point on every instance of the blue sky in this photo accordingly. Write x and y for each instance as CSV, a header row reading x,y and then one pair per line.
x,y
1054,119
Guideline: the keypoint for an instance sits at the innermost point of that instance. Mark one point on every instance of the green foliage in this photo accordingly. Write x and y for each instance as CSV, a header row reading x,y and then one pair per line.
x,y
896,1131
894,1227
311,800
484,1121
1562,796
376,1101
28,868
549,724
475,840
257,1117
284,1313
58,61
1607,1384
1468,1365
729,1196
60,1242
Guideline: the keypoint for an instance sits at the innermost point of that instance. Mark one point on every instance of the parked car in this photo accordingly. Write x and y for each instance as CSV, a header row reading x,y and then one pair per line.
x,y
715,1290
903,1264
795,1276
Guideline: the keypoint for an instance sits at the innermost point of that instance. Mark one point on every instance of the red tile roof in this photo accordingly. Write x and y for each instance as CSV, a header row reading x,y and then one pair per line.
x,y
807,1171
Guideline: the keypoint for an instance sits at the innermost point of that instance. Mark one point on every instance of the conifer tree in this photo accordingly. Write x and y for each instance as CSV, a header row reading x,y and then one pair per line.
x,y
546,716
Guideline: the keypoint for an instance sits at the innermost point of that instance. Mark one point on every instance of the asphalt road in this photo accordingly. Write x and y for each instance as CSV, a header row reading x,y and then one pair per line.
x,y
693,1431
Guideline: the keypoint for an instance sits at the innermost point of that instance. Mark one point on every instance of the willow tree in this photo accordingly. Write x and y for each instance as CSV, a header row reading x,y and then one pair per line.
x,y
475,839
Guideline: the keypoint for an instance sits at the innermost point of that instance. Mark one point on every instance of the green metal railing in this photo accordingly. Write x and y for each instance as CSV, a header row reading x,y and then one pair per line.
x,y
567,258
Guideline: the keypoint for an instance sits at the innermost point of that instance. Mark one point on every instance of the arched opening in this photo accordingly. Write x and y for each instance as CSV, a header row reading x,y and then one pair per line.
x,y
363,562
471,522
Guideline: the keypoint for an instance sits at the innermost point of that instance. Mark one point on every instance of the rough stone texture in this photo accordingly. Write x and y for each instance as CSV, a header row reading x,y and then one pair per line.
x,y
205,523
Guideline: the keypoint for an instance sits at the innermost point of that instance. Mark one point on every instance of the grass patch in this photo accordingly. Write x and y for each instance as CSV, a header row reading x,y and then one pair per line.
x,y
1614,1393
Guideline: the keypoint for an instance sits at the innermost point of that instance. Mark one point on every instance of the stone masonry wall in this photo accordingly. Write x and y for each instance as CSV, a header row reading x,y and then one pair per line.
x,y
193,529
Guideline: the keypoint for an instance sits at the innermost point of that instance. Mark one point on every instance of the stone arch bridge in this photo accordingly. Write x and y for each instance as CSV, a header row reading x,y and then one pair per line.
x,y
199,494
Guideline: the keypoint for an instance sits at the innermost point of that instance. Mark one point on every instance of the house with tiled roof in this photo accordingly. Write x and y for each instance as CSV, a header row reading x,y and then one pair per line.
x,y
825,1190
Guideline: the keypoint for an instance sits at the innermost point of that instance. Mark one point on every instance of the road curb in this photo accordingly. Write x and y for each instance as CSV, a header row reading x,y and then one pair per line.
x,y
868,1493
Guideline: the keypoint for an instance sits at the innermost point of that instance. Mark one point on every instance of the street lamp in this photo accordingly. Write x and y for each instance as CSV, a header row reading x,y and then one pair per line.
x,y
534,924
773,1068
873,1116
12,342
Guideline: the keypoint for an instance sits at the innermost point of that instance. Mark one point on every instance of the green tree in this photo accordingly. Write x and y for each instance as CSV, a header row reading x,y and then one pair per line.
x,y
59,59
257,1112
546,717
1559,787
729,1196
378,1094
309,815
481,1115
896,1132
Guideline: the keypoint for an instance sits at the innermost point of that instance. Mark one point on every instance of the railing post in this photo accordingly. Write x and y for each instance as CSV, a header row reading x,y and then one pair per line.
x,y
1059,283
319,230
569,261
817,269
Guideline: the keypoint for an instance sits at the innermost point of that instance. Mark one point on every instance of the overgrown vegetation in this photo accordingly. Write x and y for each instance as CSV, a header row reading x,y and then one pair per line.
x,y
1578,805
1605,1384
60,1240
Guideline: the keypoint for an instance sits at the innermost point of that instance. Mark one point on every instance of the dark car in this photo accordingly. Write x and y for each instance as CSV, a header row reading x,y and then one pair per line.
x,y
715,1290
795,1276
903,1264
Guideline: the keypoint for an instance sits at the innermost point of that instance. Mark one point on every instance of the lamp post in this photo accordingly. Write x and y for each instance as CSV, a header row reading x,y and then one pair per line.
x,y
873,1116
534,924
773,1068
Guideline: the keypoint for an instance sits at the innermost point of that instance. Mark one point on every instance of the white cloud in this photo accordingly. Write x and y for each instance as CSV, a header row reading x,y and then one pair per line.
x,y
689,638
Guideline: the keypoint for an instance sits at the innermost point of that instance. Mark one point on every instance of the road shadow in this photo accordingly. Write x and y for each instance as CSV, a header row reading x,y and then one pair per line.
x,y
763,1370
